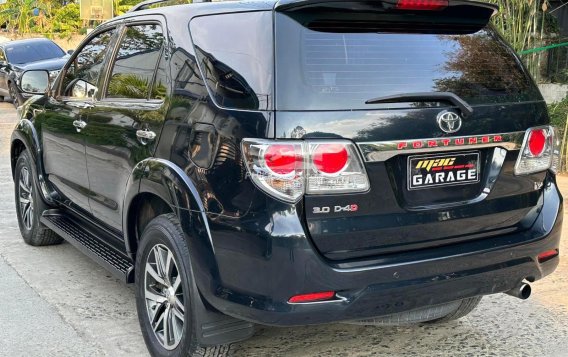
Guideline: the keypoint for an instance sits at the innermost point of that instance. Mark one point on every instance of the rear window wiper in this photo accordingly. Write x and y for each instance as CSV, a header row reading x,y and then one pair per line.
x,y
465,108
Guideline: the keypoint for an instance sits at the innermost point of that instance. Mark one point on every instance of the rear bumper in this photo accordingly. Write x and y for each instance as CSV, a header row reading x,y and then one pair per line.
x,y
258,283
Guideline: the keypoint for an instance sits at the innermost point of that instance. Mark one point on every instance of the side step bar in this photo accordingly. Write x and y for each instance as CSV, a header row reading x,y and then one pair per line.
x,y
89,244
214,328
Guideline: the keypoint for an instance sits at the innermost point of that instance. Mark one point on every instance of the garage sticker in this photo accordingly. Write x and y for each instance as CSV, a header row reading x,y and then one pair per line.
x,y
443,170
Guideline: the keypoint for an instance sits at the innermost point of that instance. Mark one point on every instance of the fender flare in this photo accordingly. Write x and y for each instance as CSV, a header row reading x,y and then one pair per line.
x,y
170,183
27,134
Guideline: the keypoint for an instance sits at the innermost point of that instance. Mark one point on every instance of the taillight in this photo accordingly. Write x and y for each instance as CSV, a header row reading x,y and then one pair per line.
x,y
540,151
422,4
276,167
537,142
282,159
330,158
288,169
335,167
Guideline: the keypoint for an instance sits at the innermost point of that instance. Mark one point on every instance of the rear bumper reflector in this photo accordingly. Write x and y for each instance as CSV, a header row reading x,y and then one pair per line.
x,y
546,256
312,297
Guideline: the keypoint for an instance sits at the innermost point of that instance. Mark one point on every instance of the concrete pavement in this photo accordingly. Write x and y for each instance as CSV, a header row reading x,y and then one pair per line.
x,y
55,302
33,327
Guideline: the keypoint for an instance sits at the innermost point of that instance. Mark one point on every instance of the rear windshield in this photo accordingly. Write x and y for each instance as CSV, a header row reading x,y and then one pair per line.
x,y
340,70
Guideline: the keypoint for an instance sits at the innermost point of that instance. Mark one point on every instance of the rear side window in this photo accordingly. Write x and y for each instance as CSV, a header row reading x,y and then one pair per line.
x,y
235,55
133,72
339,69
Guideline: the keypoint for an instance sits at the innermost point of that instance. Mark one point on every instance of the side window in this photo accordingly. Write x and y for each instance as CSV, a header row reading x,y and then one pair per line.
x,y
135,72
81,77
2,55
235,53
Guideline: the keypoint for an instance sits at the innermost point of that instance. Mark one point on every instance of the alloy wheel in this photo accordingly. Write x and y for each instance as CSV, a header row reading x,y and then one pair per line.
x,y
164,296
25,198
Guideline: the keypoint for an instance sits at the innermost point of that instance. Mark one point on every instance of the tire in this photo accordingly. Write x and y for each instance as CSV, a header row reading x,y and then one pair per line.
x,y
15,95
29,204
161,292
466,306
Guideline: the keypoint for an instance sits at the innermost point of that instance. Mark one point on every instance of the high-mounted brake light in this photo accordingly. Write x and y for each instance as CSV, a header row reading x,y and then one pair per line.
x,y
540,151
422,4
288,169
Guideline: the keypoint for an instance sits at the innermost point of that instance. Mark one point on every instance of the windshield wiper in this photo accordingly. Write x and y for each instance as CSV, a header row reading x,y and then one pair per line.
x,y
465,108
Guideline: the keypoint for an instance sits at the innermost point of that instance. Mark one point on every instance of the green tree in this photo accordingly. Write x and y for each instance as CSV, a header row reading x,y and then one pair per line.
x,y
19,14
523,22
66,19
122,6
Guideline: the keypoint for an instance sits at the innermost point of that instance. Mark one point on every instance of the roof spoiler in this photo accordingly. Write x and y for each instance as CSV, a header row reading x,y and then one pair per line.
x,y
436,16
288,5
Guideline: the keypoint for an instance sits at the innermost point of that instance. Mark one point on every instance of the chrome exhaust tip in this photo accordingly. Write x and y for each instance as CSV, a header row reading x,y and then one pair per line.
x,y
523,291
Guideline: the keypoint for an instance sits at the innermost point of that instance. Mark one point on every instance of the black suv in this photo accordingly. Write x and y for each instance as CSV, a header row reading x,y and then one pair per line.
x,y
293,162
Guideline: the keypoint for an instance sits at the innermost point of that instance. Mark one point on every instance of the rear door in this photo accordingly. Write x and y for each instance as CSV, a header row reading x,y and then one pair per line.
x,y
123,125
438,105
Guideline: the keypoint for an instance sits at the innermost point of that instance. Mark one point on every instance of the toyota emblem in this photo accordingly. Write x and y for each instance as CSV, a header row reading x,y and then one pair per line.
x,y
450,122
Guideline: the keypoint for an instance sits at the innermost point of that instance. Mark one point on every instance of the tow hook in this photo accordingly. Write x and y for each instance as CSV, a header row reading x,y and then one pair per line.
x,y
522,291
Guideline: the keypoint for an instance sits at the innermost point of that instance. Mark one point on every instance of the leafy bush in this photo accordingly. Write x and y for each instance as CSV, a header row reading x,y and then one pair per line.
x,y
20,14
66,19
40,16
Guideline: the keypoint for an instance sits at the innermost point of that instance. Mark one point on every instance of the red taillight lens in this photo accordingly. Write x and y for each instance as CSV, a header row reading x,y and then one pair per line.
x,y
540,151
330,158
422,4
281,159
312,297
546,256
537,141
286,169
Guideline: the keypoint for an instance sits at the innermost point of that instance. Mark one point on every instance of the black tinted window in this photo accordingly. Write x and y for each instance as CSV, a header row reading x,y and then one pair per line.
x,y
341,70
81,77
33,51
133,70
235,55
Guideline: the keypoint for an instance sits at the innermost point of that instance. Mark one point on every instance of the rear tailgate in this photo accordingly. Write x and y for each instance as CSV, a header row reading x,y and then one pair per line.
x,y
431,183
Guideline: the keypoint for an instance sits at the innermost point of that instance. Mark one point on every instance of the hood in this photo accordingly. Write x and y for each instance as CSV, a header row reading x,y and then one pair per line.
x,y
49,64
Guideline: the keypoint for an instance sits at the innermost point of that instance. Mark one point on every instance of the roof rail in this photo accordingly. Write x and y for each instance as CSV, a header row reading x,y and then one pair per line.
x,y
148,3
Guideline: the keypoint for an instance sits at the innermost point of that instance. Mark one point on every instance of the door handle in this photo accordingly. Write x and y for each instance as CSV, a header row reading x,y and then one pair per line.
x,y
145,135
79,125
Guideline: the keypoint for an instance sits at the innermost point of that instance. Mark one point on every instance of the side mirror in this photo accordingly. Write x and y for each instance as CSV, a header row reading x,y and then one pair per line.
x,y
70,52
34,82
